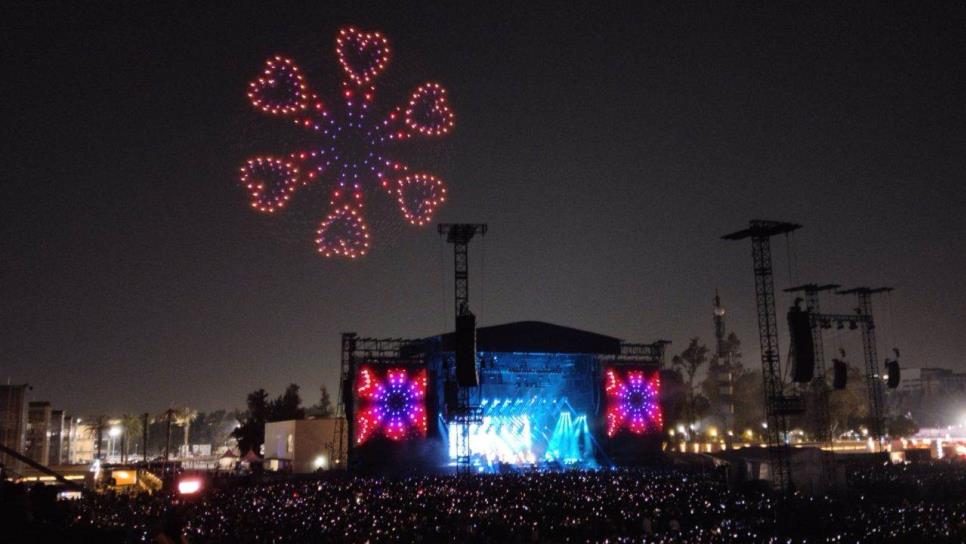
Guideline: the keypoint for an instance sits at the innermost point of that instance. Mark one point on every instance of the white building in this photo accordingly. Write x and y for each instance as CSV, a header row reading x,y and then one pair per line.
x,y
303,446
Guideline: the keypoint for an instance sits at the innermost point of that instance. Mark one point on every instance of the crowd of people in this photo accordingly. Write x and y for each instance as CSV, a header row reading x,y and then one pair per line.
x,y
904,503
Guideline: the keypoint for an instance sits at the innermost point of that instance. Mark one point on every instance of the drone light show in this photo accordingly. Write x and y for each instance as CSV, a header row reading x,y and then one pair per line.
x,y
632,401
518,431
351,146
392,403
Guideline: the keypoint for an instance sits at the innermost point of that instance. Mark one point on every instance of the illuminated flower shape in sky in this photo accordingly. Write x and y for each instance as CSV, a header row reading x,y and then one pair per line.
x,y
391,403
633,402
352,144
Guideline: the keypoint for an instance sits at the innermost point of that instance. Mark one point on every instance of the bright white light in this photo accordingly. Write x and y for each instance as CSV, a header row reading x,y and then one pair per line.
x,y
320,462
114,432
69,495
189,486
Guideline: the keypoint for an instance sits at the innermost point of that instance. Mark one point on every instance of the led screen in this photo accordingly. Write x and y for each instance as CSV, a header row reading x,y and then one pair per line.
x,y
632,401
391,402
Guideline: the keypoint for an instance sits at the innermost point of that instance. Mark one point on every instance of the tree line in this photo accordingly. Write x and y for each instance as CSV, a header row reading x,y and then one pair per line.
x,y
260,410
687,401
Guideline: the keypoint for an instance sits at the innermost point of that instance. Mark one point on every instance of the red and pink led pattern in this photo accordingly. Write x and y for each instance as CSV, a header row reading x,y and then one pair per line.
x,y
391,402
352,141
633,402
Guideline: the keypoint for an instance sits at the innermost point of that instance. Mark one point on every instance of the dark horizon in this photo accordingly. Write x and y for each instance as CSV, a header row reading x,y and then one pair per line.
x,y
608,150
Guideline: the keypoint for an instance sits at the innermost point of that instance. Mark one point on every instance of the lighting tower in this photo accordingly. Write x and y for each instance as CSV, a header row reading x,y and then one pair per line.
x,y
463,413
777,406
872,378
821,408
342,413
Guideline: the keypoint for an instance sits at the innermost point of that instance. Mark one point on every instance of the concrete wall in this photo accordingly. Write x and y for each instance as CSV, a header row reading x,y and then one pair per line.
x,y
279,440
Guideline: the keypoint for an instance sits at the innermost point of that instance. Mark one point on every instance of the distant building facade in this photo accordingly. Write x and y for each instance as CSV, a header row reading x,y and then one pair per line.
x,y
934,397
59,437
38,431
13,421
82,447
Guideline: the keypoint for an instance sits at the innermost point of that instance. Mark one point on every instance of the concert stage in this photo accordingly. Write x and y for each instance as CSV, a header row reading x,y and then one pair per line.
x,y
549,396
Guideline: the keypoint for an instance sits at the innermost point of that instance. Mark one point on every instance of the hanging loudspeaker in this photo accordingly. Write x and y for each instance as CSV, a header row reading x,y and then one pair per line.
x,y
892,367
466,373
841,378
451,394
800,326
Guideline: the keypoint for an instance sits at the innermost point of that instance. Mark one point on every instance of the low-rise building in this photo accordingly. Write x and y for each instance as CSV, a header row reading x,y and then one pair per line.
x,y
303,446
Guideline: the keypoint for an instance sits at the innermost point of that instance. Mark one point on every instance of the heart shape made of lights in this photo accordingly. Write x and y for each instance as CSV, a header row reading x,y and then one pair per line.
x,y
343,233
270,182
419,195
280,89
428,111
362,54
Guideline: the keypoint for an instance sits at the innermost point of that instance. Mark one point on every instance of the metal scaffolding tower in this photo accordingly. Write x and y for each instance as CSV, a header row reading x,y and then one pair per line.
x,y
460,234
777,406
341,413
373,351
821,410
872,378
464,413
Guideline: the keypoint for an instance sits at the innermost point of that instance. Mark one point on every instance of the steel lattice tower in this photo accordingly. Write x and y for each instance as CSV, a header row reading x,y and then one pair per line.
x,y
820,382
465,414
777,405
872,378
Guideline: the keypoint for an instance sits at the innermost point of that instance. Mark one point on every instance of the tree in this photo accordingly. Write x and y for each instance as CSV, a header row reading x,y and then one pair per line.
x,y
132,427
288,405
689,362
251,433
749,401
848,408
733,347
674,397
97,429
810,421
901,426
167,416
183,418
212,428
325,403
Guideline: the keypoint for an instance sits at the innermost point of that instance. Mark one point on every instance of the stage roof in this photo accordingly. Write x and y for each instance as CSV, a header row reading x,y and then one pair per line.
x,y
537,337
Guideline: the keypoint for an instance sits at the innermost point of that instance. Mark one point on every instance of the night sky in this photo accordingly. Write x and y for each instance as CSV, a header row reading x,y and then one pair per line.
x,y
607,148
